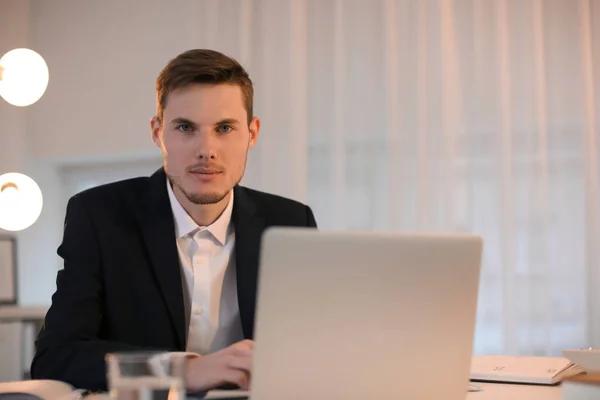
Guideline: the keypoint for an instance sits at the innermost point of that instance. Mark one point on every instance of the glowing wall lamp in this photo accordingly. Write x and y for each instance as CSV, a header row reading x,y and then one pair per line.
x,y
23,81
20,201
23,77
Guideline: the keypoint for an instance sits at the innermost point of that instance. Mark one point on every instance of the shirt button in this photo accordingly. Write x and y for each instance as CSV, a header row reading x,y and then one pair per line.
x,y
198,310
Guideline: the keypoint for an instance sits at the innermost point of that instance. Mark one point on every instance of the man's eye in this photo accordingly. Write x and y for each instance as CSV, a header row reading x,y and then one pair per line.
x,y
224,128
184,128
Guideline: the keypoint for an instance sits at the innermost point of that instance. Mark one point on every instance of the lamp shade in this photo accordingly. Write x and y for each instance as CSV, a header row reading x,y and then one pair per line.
x,y
23,77
20,201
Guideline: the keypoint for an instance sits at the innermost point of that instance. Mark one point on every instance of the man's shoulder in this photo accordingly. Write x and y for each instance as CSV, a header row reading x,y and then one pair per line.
x,y
269,200
118,191
277,210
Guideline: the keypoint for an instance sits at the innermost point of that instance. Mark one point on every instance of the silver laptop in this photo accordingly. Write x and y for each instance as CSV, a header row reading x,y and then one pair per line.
x,y
365,315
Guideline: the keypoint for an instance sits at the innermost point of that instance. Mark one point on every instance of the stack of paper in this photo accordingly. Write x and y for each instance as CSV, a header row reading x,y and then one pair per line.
x,y
536,370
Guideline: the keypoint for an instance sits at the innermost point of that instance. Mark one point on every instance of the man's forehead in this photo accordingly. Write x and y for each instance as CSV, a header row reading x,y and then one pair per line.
x,y
205,102
203,91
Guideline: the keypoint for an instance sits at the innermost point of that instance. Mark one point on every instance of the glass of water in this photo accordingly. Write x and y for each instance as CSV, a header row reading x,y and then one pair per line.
x,y
146,376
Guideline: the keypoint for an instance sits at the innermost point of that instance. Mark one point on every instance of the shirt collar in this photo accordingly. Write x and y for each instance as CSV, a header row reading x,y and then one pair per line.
x,y
185,225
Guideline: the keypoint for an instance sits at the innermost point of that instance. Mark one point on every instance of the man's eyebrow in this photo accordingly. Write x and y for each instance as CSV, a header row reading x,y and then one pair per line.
x,y
228,121
181,121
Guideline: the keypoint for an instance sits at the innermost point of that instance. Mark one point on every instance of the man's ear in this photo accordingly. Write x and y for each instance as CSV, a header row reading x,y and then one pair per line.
x,y
155,126
254,129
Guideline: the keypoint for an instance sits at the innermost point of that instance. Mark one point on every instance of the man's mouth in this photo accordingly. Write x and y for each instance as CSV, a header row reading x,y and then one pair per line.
x,y
206,173
206,170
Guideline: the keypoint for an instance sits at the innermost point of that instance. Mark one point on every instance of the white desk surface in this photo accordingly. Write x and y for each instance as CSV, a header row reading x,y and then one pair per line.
x,y
501,391
491,391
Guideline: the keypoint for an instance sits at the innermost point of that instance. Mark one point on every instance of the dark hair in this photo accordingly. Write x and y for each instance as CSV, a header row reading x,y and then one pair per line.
x,y
202,66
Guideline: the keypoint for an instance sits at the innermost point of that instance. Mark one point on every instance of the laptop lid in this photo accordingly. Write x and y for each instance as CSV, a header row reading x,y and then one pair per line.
x,y
349,315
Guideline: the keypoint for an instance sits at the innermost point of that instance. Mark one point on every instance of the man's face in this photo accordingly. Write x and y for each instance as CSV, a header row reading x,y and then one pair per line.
x,y
204,138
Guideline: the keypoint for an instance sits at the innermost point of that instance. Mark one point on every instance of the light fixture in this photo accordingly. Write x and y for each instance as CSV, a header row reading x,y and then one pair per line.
x,y
23,77
20,201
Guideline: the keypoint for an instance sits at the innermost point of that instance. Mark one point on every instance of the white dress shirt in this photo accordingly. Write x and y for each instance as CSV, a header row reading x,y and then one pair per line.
x,y
207,260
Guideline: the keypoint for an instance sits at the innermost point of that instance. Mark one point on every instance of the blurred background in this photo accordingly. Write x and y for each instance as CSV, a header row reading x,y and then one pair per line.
x,y
473,116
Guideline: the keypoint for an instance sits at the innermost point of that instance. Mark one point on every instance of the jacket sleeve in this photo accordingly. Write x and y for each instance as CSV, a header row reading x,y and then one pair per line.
x,y
68,347
310,218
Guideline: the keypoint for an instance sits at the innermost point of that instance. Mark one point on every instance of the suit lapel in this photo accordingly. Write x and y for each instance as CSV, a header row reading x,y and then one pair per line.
x,y
249,226
158,230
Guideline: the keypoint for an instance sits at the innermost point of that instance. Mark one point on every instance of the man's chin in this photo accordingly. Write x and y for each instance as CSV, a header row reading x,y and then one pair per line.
x,y
206,197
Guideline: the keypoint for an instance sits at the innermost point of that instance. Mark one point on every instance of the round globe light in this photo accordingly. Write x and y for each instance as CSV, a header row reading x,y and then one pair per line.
x,y
21,201
23,77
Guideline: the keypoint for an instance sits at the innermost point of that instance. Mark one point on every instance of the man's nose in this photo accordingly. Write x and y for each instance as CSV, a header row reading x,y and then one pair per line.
x,y
206,147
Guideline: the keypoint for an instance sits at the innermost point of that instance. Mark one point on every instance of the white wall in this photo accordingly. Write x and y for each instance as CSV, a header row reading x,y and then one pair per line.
x,y
14,22
104,57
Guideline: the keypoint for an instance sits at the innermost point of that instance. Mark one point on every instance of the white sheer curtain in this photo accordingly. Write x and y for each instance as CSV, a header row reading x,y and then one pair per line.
x,y
440,115
444,115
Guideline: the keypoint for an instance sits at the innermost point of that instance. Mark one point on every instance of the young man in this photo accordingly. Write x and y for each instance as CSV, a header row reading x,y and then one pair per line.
x,y
170,262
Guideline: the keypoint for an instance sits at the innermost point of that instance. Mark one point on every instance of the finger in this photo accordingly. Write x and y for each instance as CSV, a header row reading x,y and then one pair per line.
x,y
244,344
239,349
240,363
238,377
241,352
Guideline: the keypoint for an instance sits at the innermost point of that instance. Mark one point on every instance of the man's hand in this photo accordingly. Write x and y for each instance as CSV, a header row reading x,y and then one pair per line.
x,y
231,365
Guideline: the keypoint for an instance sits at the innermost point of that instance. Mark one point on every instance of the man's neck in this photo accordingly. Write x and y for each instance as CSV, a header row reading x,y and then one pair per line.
x,y
202,214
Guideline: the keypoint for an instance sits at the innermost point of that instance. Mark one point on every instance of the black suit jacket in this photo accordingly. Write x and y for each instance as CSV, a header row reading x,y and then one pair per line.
x,y
121,289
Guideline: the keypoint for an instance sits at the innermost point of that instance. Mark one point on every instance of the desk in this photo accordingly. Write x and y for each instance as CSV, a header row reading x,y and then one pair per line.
x,y
501,391
491,391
